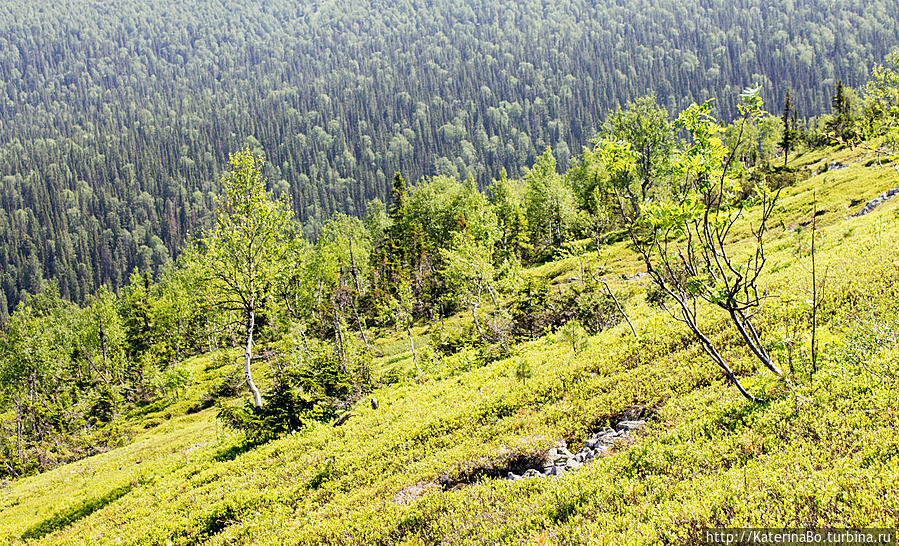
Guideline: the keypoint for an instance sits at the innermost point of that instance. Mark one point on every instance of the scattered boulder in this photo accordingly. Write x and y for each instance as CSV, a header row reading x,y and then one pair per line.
x,y
629,425
873,203
560,460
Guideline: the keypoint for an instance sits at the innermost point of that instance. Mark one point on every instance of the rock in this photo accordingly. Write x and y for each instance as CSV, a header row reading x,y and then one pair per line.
x,y
872,204
629,425
513,476
572,464
532,473
603,441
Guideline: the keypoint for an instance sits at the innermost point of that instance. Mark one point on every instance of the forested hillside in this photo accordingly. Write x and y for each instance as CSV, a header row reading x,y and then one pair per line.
x,y
117,117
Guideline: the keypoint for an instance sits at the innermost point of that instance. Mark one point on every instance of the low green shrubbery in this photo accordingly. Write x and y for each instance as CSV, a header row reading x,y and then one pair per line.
x,y
310,384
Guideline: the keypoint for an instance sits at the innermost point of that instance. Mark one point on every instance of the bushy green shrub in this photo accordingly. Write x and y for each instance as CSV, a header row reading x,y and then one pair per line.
x,y
536,309
309,385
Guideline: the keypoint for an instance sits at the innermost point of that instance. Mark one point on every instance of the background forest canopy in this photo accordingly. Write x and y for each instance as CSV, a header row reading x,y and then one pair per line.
x,y
116,118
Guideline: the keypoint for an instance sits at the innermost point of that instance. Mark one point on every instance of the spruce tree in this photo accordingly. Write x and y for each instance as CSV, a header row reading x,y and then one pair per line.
x,y
788,138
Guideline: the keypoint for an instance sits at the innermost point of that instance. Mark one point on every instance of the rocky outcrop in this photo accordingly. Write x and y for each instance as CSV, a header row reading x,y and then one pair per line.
x,y
873,203
560,460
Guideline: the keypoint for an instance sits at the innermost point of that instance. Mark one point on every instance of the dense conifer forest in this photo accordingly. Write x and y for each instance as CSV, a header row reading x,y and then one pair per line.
x,y
117,118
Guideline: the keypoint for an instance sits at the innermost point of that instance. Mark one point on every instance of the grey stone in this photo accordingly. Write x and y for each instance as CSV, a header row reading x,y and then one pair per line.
x,y
604,442
629,425
872,204
604,432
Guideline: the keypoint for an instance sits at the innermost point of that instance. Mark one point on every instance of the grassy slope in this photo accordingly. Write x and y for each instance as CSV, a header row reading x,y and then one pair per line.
x,y
821,452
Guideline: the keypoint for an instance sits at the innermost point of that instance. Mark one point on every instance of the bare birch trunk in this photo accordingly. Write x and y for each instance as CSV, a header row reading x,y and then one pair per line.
x,y
247,357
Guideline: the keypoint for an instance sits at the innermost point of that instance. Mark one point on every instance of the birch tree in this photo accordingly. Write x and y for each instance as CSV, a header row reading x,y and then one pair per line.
x,y
244,253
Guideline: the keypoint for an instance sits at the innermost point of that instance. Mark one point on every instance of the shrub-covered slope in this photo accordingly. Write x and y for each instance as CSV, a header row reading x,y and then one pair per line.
x,y
426,466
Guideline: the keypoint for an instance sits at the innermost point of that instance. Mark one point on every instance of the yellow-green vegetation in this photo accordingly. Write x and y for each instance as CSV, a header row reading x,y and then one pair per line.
x,y
426,466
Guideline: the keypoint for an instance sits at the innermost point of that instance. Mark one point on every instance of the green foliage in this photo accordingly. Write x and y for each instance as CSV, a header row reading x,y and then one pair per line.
x,y
821,451
508,198
841,124
574,334
523,371
789,123
172,382
443,207
303,392
551,209
644,126
243,260
882,105
243,254
698,214
537,310
469,270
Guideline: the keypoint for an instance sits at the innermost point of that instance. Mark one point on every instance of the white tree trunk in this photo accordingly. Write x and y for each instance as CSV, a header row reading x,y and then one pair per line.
x,y
247,357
